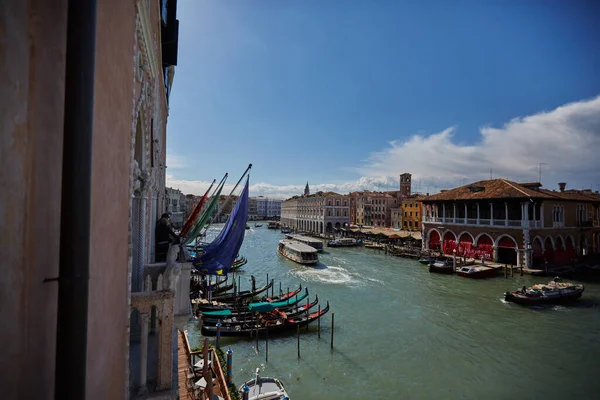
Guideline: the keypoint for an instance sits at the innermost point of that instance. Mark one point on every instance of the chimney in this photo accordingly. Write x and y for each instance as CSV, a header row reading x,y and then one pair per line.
x,y
562,185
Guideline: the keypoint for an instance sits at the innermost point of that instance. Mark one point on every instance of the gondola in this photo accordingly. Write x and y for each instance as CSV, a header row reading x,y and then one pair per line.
x,y
238,264
260,327
261,306
232,300
231,297
247,316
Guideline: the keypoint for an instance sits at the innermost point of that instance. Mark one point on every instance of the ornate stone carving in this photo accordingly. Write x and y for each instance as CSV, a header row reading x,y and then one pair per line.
x,y
141,181
173,270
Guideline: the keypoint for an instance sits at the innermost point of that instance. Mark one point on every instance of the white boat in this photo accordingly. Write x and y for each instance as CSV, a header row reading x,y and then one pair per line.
x,y
298,252
285,229
273,225
264,388
316,243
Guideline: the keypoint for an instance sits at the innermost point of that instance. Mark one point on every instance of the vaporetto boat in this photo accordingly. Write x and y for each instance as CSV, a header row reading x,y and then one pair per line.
x,y
316,243
298,252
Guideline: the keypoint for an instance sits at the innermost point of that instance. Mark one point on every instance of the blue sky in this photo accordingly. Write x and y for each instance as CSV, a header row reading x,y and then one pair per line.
x,y
348,94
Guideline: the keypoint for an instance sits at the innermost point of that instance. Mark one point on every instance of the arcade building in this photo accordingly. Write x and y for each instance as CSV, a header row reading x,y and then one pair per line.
x,y
513,223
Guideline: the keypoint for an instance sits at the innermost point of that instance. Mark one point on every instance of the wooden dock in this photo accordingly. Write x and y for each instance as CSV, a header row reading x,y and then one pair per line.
x,y
186,358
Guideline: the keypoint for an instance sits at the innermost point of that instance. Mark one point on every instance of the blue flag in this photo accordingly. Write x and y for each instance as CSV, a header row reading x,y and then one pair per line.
x,y
221,253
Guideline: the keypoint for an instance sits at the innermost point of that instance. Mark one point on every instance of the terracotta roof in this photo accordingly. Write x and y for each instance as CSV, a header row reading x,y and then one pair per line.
x,y
573,195
489,189
504,189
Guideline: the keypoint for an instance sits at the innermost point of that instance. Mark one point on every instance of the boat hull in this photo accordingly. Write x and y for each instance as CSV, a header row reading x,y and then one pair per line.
x,y
486,273
441,270
519,298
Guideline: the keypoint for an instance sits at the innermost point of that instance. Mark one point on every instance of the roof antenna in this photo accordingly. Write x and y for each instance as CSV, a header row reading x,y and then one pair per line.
x,y
490,174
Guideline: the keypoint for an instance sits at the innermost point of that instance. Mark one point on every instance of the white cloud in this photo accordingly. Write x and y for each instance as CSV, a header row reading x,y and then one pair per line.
x,y
566,138
175,161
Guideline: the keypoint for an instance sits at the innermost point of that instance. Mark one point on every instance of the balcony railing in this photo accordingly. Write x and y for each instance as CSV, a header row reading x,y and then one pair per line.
x,y
486,222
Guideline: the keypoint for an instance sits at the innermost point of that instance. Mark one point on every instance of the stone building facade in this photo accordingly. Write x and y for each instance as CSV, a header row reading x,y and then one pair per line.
x,y
319,213
513,223
131,80
374,208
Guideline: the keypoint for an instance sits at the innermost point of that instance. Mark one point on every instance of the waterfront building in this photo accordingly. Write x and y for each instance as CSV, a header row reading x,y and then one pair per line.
x,y
396,217
92,143
513,223
175,206
317,213
374,208
412,212
252,208
191,203
268,208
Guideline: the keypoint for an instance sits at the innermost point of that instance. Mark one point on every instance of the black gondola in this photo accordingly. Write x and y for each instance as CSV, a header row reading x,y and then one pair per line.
x,y
251,327
247,316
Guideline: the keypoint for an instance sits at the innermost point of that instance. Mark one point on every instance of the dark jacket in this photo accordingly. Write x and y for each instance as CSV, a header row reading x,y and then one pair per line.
x,y
164,233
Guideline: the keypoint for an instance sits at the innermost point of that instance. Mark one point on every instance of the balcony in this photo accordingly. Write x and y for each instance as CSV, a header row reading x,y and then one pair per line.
x,y
484,222
586,224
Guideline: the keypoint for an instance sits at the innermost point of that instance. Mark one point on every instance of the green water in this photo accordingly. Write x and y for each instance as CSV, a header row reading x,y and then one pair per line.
x,y
403,333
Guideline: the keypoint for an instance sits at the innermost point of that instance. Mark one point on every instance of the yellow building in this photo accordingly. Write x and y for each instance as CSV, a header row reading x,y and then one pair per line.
x,y
412,212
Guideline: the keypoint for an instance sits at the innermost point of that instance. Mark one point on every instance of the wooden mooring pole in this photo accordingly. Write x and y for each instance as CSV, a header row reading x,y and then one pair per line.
x,y
332,325
319,323
267,346
512,270
298,334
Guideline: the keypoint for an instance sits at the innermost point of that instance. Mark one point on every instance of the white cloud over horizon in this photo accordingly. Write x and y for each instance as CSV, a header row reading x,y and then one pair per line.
x,y
566,138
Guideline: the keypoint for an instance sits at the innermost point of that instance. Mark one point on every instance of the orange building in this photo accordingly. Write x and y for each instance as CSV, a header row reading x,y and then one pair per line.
x,y
412,212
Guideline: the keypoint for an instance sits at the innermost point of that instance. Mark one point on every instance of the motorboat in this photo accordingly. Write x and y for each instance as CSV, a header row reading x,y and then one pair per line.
x,y
476,272
553,292
264,388
315,243
441,267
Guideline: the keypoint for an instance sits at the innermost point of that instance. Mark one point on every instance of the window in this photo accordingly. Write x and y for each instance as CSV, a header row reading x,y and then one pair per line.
x,y
411,213
345,203
337,203
417,214
405,214
345,213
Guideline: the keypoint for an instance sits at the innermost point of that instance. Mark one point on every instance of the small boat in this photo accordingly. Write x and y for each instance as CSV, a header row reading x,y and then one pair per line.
x,y
477,272
247,226
427,261
553,292
441,268
273,225
235,318
244,294
298,252
342,242
264,388
279,325
257,225
285,229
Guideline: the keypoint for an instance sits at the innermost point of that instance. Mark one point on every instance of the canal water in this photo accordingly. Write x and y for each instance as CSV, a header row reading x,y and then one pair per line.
x,y
403,333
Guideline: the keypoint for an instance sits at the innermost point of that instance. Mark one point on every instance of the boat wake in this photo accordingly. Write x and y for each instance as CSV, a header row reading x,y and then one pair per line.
x,y
332,275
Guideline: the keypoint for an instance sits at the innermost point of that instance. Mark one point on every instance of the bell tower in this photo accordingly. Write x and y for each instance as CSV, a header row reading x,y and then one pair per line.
x,y
405,184
306,190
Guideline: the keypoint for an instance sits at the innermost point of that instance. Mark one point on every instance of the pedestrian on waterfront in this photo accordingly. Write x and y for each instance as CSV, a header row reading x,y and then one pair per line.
x,y
164,237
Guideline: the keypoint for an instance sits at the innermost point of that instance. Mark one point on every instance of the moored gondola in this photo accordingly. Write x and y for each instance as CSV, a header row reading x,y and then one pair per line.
x,y
280,325
247,316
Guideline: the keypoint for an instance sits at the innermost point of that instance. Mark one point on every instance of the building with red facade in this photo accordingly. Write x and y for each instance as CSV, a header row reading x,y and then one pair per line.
x,y
513,223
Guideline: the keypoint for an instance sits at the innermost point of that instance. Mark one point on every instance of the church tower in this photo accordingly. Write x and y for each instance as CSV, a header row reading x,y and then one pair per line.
x,y
405,184
306,190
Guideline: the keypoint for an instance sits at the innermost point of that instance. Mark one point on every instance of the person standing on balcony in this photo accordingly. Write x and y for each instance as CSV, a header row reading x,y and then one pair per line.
x,y
164,237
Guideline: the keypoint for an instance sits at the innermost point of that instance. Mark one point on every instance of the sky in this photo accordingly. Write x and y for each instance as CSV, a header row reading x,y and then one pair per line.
x,y
348,94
